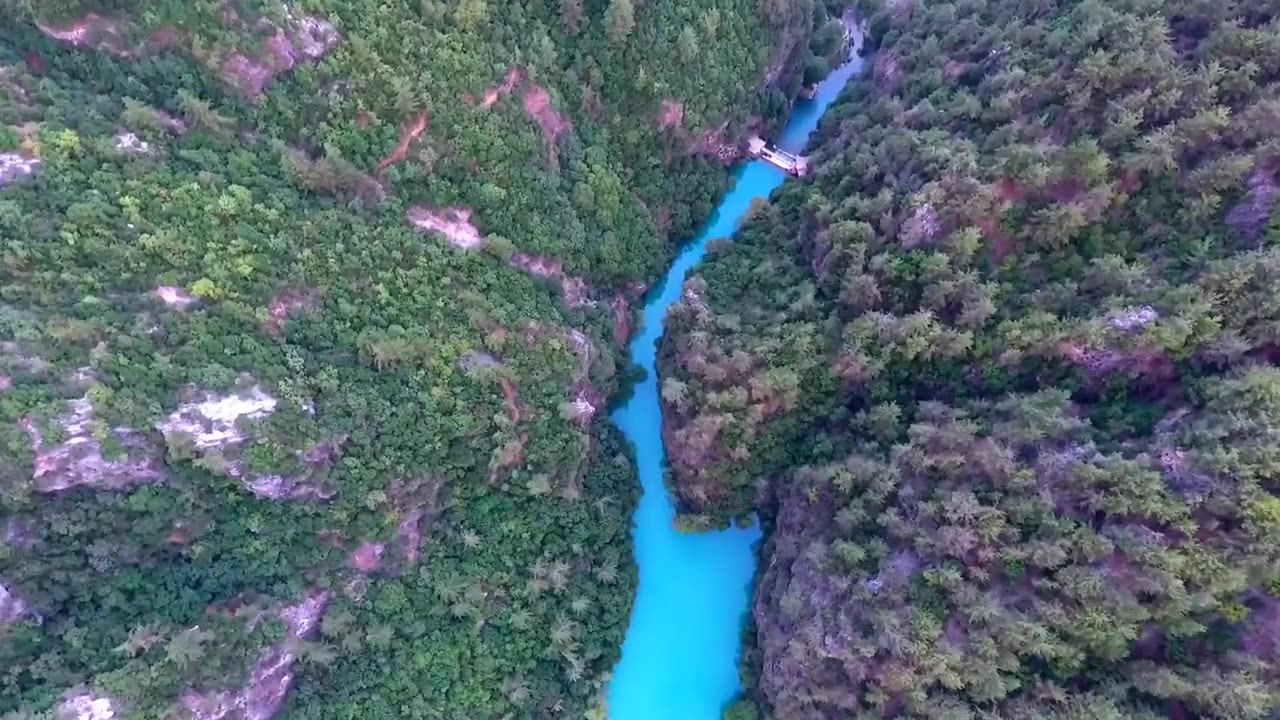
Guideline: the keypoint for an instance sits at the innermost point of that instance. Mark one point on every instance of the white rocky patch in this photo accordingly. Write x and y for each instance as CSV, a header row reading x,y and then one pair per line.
x,y
271,675
211,423
922,227
314,37
453,223
86,706
131,143
14,166
1133,319
174,296
12,607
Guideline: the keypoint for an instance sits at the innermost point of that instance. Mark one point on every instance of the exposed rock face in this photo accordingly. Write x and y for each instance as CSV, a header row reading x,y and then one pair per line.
x,y
303,38
418,503
474,362
12,607
14,167
620,308
279,487
271,675
80,460
453,223
1098,362
581,410
1250,216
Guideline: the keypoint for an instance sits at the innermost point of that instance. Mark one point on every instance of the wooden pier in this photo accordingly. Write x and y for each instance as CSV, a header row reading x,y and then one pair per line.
x,y
796,165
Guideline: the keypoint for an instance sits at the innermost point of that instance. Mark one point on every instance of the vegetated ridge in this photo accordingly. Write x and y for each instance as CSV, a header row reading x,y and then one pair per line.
x,y
308,316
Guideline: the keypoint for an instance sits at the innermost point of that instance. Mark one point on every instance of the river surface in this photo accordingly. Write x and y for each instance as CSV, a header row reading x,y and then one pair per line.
x,y
680,656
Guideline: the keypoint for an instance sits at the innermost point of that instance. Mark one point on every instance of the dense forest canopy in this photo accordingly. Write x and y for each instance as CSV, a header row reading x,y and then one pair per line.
x,y
1002,373
309,313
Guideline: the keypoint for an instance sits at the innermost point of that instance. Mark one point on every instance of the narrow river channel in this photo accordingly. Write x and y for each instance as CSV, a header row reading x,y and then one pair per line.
x,y
680,656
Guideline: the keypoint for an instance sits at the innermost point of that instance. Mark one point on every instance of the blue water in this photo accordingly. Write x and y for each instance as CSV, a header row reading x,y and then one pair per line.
x,y
680,657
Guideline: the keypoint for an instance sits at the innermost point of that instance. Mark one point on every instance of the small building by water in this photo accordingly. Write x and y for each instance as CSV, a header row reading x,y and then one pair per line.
x,y
795,165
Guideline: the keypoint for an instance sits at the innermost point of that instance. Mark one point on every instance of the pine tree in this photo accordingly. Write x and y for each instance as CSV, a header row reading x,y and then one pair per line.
x,y
619,20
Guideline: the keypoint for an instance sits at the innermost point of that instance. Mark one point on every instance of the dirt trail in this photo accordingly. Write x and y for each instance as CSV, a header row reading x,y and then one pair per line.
x,y
412,131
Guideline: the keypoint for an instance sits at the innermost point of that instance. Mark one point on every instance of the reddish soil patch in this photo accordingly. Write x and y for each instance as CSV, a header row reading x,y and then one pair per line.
x,y
508,456
671,114
1011,190
1065,191
412,131
35,64
92,30
367,557
1130,180
536,102
576,292
715,142
284,305
1002,243
887,72
512,401
494,92
621,309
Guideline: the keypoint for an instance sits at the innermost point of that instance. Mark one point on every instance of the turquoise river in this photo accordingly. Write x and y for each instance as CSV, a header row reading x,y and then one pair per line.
x,y
680,656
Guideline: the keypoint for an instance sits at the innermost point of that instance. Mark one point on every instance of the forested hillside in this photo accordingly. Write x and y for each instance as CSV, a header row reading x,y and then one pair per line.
x,y
1002,373
308,316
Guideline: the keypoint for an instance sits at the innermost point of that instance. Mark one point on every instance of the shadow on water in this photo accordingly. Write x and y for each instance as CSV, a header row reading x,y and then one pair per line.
x,y
680,656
